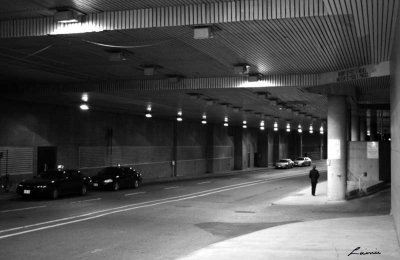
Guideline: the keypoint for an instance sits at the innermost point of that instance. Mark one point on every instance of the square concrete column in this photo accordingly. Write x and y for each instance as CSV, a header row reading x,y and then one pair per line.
x,y
355,124
363,124
337,147
373,125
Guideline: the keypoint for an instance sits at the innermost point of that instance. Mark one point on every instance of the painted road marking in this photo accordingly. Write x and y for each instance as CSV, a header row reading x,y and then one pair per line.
x,y
106,212
12,210
168,188
136,193
80,201
204,182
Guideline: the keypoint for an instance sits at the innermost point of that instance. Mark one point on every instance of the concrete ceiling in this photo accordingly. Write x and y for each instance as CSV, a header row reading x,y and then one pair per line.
x,y
293,46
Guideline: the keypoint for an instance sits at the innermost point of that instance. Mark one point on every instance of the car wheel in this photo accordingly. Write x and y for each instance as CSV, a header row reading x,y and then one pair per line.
x,y
83,190
136,184
54,194
116,186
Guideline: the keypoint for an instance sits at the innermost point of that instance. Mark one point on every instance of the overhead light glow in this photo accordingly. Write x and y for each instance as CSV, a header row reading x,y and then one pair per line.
x,y
203,122
299,129
180,113
288,127
244,126
311,129
262,128
226,119
148,115
321,130
276,126
179,119
226,124
85,97
84,107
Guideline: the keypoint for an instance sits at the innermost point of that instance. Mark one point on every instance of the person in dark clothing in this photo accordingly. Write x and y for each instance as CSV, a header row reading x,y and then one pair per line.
x,y
314,175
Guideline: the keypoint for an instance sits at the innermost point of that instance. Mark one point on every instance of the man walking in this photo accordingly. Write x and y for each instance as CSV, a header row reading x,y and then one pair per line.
x,y
314,175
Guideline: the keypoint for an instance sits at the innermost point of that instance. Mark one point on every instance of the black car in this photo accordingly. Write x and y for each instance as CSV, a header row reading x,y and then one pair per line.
x,y
53,183
115,178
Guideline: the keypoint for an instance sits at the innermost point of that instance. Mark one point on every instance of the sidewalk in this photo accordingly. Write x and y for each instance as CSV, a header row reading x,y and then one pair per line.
x,y
320,239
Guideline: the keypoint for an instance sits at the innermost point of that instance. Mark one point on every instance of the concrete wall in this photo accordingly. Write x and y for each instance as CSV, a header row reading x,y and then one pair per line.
x,y
90,140
395,128
359,163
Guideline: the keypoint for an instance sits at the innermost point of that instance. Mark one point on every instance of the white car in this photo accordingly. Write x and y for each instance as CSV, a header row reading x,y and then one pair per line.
x,y
284,163
302,161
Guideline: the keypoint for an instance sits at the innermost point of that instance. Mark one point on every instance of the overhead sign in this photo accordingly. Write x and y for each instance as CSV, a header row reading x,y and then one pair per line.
x,y
372,150
352,74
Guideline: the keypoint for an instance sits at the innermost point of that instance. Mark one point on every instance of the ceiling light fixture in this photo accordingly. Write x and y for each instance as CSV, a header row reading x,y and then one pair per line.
x,y
244,124
204,119
241,69
321,130
311,130
68,15
288,127
85,97
299,129
179,118
84,107
276,125
201,33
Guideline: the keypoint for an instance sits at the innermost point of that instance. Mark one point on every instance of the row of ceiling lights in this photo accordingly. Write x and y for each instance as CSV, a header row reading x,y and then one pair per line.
x,y
179,118
84,106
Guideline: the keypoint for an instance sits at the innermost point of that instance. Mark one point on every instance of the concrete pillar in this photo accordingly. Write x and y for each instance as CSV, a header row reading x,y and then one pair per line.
x,y
275,148
355,124
270,147
337,148
210,148
363,124
262,149
238,150
174,162
373,126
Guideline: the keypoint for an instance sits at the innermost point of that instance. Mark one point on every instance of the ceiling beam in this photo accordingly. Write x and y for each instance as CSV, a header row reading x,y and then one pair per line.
x,y
325,83
180,15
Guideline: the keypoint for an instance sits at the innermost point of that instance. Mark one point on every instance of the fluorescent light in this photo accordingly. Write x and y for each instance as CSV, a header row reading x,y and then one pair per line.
x,y
179,119
148,115
226,124
85,97
84,107
204,122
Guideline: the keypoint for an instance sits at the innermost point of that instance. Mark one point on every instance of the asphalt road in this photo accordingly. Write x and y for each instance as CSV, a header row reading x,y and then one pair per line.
x,y
162,221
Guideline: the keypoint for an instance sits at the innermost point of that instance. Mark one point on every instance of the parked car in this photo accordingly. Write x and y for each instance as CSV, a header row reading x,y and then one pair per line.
x,y
115,178
54,183
284,163
302,161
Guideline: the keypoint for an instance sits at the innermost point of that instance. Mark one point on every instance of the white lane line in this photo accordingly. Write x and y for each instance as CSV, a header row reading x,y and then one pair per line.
x,y
204,182
80,201
12,210
134,206
168,188
135,193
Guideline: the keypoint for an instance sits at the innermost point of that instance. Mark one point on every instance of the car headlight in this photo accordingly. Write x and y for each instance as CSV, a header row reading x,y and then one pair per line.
x,y
108,181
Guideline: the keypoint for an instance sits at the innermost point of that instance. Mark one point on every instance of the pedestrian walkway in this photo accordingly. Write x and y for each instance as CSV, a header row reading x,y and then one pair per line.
x,y
371,237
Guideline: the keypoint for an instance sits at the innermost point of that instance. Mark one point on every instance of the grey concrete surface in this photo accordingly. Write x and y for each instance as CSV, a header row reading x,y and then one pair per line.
x,y
371,237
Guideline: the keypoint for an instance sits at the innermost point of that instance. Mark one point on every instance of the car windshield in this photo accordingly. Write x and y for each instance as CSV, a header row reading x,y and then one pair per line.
x,y
300,159
108,172
48,175
282,160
